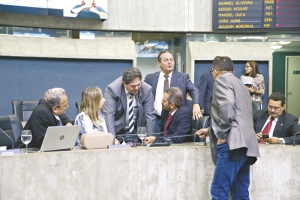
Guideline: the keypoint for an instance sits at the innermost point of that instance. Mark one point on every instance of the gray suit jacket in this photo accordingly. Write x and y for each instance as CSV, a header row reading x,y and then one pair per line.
x,y
116,107
231,108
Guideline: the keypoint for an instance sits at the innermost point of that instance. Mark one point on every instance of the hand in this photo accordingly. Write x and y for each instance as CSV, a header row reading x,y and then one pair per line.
x,y
202,111
150,139
202,133
259,137
196,111
272,140
69,124
220,141
251,89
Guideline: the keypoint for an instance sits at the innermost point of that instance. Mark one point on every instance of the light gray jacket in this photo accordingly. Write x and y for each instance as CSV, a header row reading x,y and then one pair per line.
x,y
231,108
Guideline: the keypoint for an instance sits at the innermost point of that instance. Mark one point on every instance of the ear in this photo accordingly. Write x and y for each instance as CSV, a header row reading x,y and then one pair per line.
x,y
53,109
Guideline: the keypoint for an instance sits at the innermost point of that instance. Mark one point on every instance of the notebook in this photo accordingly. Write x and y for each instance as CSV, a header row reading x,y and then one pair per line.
x,y
59,138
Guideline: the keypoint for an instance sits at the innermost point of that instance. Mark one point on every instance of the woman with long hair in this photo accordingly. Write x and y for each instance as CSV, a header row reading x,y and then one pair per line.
x,y
257,89
90,117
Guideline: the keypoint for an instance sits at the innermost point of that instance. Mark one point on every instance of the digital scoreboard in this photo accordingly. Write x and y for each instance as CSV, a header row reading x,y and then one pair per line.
x,y
256,14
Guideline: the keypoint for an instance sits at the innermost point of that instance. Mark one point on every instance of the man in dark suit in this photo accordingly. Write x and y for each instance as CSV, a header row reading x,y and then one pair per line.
x,y
49,112
129,101
232,139
283,125
179,119
166,78
205,87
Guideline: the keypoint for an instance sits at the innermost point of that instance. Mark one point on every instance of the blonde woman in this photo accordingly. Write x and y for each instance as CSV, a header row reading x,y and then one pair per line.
x,y
90,117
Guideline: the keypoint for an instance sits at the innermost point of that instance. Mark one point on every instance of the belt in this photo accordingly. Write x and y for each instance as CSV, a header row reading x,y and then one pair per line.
x,y
157,116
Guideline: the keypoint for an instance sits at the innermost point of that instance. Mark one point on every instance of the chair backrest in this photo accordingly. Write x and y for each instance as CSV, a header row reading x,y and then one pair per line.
x,y
23,109
77,104
12,126
256,105
203,122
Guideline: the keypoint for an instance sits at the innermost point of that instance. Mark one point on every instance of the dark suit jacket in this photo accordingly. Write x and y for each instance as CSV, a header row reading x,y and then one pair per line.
x,y
286,126
205,87
116,107
40,119
181,124
178,79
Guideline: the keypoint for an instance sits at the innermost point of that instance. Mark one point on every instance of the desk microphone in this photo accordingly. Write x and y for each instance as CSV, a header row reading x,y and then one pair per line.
x,y
294,142
12,143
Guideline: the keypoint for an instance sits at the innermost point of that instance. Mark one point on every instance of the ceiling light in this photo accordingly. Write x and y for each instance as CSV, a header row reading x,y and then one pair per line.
x,y
276,47
284,42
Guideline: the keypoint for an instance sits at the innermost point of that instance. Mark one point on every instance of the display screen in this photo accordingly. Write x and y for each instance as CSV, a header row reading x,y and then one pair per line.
x,y
256,14
63,8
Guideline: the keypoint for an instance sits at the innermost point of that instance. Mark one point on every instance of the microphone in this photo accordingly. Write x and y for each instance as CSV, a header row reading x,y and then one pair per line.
x,y
12,143
294,142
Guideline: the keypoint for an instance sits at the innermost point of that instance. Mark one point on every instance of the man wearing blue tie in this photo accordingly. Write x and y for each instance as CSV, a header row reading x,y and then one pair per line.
x,y
49,112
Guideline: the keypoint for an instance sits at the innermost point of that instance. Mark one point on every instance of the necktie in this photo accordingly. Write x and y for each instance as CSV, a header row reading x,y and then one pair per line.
x,y
267,128
58,122
167,124
166,83
130,114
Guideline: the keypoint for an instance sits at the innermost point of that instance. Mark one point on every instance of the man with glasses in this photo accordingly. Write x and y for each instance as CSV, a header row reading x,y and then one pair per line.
x,y
129,101
274,125
50,112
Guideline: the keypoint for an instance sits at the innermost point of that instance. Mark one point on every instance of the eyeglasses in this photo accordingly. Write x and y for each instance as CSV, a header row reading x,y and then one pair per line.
x,y
246,66
274,107
65,106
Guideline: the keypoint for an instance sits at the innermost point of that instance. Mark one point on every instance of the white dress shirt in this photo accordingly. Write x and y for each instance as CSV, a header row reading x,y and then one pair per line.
x,y
160,92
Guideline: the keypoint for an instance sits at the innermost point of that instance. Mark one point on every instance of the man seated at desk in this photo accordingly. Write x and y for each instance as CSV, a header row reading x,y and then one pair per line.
x,y
275,122
179,120
49,112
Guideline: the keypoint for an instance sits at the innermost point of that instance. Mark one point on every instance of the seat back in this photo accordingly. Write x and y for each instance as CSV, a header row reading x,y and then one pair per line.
x,y
12,126
202,122
256,105
23,109
77,104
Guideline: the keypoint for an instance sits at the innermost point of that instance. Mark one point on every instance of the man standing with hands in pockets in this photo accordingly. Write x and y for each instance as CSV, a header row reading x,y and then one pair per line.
x,y
232,138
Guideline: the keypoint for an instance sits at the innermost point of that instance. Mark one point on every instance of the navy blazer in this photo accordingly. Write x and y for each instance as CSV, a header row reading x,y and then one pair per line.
x,y
178,79
205,87
286,126
180,124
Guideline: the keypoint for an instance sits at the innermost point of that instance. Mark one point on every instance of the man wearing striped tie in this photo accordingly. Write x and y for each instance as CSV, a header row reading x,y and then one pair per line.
x,y
129,104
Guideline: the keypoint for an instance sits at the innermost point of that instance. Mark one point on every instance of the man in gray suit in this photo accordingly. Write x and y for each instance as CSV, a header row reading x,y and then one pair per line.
x,y
232,137
129,101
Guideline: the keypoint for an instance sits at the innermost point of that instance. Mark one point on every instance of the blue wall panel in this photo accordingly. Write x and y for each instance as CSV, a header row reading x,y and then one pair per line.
x,y
29,78
239,69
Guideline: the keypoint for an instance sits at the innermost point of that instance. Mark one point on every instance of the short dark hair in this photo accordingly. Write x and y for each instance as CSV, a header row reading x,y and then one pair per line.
x,y
223,63
162,52
277,96
175,96
130,74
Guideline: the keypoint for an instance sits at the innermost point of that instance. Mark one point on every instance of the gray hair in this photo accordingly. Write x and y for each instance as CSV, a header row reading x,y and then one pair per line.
x,y
130,74
52,97
175,96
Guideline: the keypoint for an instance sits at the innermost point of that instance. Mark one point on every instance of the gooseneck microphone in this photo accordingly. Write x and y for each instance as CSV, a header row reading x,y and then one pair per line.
x,y
12,143
294,141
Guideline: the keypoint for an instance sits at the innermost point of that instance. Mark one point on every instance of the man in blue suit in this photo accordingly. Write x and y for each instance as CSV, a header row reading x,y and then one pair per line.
x,y
166,78
205,87
178,125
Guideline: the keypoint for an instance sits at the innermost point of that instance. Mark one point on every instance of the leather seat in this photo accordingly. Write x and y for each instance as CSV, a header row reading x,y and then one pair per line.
x,y
202,122
23,109
256,105
12,126
77,104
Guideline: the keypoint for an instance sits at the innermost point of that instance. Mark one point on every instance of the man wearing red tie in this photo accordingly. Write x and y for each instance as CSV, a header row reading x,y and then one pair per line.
x,y
274,125
179,120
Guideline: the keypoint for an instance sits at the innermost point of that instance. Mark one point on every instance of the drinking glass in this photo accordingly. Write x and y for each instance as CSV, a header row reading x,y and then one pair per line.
x,y
142,133
26,137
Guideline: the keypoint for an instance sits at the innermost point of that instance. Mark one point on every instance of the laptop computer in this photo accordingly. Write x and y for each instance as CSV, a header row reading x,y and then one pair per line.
x,y
59,138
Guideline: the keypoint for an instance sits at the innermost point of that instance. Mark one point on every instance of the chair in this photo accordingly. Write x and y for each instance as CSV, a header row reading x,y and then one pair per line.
x,y
256,105
23,109
77,104
203,122
12,126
